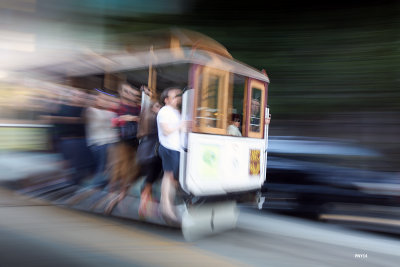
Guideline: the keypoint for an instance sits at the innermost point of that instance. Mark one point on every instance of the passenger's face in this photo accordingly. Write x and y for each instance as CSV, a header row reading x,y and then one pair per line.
x,y
77,97
107,102
174,98
100,101
131,95
156,107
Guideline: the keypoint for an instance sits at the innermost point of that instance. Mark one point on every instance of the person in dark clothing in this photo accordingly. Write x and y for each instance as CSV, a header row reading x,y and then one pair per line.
x,y
151,167
70,131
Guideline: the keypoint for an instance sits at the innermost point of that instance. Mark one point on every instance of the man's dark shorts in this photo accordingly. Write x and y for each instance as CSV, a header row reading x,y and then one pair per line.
x,y
170,160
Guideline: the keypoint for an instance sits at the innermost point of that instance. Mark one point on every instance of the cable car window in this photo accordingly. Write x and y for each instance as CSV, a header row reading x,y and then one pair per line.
x,y
212,101
208,103
255,110
256,105
236,117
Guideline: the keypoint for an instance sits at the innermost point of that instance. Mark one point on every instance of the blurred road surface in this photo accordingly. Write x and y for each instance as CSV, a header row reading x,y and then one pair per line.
x,y
33,233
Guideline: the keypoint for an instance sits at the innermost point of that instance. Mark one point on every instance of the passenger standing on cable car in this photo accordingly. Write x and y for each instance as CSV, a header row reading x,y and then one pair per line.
x,y
169,125
100,134
148,158
70,131
125,170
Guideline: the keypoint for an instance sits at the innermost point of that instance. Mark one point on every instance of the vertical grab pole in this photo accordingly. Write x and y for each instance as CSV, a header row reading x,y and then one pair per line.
x,y
266,129
187,115
260,197
150,79
146,99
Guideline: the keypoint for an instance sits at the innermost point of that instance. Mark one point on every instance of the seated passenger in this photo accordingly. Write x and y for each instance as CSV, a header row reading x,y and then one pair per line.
x,y
233,129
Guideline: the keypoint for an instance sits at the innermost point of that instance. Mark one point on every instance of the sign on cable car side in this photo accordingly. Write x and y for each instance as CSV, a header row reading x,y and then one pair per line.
x,y
254,169
223,164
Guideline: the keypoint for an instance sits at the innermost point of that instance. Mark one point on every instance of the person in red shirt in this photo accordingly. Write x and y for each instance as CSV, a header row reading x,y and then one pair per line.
x,y
125,170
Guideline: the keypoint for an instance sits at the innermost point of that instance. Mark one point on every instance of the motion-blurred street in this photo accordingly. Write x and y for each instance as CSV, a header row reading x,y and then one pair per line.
x,y
34,233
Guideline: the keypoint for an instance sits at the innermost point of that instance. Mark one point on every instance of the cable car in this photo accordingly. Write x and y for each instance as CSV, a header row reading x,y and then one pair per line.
x,y
217,169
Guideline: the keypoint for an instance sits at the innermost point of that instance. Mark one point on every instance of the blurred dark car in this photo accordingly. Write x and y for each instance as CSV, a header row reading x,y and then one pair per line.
x,y
331,180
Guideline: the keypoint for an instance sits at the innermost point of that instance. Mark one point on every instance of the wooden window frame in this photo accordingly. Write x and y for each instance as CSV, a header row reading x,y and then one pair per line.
x,y
252,83
223,98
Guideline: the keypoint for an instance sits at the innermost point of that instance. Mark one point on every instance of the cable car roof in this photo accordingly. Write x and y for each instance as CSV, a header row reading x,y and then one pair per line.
x,y
156,48
140,60
168,38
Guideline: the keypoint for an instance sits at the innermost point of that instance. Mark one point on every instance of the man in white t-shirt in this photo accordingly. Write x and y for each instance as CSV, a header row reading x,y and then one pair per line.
x,y
169,125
